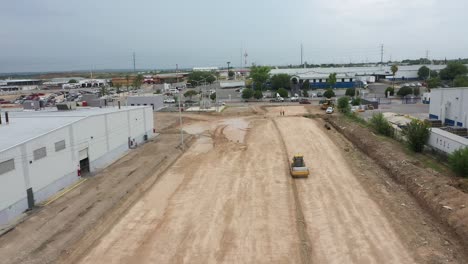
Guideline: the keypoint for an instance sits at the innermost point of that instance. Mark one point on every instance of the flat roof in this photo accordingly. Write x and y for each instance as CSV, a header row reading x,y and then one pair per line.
x,y
27,125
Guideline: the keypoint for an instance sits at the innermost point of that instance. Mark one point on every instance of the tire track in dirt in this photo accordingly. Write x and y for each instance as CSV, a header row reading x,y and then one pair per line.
x,y
300,219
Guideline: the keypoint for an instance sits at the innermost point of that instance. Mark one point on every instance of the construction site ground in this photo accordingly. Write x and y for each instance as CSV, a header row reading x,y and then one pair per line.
x,y
229,198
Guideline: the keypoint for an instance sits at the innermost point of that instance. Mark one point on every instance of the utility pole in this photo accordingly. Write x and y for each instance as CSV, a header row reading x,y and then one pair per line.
x,y
228,68
381,54
134,63
302,53
427,56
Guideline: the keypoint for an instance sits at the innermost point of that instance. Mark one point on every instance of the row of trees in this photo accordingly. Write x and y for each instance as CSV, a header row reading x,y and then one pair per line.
x,y
455,73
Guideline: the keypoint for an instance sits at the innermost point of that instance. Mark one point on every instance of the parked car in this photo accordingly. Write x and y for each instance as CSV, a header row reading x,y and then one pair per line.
x,y
294,99
319,94
277,99
329,110
304,101
169,101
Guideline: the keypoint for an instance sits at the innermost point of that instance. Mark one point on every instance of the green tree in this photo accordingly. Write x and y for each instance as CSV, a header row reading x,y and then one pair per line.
x,y
343,104
434,74
258,94
190,93
117,88
416,91
391,90
247,93
305,93
452,70
350,92
72,81
138,81
417,133
213,96
259,75
460,81
404,91
458,161
356,101
230,74
423,72
433,82
381,125
329,93
332,80
103,91
306,85
281,80
283,92
200,77
394,70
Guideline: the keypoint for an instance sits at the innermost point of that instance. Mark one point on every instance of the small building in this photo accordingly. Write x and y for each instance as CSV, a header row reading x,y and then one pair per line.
x,y
450,105
446,142
42,152
156,101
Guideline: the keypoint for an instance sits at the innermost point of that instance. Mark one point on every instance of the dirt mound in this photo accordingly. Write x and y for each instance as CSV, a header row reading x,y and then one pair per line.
x,y
430,188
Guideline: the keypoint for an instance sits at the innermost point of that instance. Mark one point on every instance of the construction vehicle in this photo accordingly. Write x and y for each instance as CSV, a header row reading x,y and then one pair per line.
x,y
298,167
324,104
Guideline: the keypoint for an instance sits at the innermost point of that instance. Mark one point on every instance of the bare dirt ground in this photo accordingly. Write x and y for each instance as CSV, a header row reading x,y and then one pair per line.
x,y
230,199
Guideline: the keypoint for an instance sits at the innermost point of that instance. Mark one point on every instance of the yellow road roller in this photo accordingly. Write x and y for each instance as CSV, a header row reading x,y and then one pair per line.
x,y
298,167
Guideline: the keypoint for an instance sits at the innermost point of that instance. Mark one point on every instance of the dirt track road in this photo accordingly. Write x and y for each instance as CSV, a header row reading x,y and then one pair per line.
x,y
230,199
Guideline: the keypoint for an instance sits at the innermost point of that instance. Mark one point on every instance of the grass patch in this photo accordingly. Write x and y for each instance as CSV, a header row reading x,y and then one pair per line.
x,y
353,117
311,116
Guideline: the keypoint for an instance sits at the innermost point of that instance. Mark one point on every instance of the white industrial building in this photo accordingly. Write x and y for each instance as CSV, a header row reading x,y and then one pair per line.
x,y
42,152
450,106
156,101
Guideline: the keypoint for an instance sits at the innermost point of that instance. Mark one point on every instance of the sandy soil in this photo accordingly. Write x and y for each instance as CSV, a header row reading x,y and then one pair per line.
x,y
230,199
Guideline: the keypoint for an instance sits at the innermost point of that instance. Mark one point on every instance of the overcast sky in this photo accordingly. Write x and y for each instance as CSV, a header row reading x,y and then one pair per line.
x,y
46,35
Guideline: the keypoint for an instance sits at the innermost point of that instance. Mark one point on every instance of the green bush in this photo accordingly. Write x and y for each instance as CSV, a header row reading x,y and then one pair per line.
x,y
381,125
305,93
350,92
458,161
417,133
391,90
329,93
247,93
258,94
343,104
283,92
356,101
405,91
213,96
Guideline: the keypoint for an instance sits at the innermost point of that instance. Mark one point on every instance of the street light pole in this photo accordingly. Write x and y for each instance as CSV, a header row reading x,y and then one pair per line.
x,y
228,68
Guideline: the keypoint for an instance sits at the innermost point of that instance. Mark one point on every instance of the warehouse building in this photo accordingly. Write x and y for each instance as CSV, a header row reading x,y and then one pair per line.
x,y
156,101
42,152
353,76
450,107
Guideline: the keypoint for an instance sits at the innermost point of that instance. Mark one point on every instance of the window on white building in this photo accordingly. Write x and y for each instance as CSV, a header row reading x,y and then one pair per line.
x,y
40,153
6,166
60,145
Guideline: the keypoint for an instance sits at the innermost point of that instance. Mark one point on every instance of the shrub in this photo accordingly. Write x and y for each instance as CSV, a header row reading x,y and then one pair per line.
x,y
283,92
391,90
343,104
381,125
305,93
405,91
416,91
247,93
350,92
417,133
356,101
213,96
458,161
329,93
258,94
158,91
